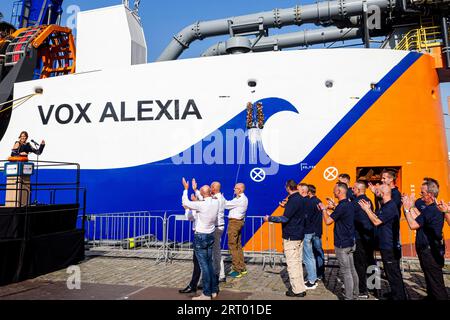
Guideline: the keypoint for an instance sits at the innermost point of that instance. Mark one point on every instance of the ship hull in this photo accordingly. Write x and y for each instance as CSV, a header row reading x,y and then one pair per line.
x,y
137,131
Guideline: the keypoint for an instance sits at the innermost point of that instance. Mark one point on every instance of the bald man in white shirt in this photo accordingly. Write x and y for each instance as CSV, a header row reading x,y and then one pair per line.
x,y
236,217
205,225
220,225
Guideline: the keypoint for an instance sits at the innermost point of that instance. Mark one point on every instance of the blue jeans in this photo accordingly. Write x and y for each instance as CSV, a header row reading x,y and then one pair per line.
x,y
203,248
308,258
320,256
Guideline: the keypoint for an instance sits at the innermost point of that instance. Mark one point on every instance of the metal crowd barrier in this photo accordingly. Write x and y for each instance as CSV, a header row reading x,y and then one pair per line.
x,y
171,235
125,230
257,250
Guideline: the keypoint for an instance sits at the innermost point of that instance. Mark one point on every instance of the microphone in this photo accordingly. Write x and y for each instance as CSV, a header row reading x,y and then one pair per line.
x,y
35,143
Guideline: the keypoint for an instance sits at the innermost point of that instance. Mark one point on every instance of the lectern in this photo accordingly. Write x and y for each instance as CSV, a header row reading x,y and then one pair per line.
x,y
18,171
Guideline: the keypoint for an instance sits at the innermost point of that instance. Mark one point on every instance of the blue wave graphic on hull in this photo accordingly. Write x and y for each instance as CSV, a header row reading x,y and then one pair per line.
x,y
157,186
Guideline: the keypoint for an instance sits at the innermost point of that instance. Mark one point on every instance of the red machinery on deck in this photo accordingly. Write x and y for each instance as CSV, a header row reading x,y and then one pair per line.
x,y
53,44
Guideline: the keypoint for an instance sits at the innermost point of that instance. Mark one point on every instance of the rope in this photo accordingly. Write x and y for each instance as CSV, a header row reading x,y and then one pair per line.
x,y
17,102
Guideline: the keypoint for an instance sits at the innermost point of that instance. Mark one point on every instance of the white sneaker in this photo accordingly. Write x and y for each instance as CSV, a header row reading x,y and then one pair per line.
x,y
201,297
310,286
214,295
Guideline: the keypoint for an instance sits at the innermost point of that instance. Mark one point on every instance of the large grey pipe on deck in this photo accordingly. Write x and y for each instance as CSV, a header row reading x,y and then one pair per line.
x,y
287,40
318,12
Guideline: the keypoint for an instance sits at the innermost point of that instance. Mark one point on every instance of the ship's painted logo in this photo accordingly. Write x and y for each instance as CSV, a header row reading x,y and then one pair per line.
x,y
330,173
145,110
258,174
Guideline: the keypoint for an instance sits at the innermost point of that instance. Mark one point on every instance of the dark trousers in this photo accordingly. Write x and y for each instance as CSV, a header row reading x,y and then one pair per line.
x,y
363,258
391,264
195,273
434,277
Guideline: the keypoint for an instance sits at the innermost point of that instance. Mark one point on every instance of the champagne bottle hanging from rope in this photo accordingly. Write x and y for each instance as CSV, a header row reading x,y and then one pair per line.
x,y
260,115
249,115
255,120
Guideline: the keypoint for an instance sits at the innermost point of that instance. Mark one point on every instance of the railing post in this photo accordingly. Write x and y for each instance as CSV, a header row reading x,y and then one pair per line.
x,y
165,240
85,234
77,183
95,228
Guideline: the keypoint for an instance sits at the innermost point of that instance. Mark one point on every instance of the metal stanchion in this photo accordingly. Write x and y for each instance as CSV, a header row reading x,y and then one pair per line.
x,y
165,251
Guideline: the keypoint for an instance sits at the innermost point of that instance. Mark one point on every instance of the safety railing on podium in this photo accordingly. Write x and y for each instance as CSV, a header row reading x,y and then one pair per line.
x,y
48,182
39,206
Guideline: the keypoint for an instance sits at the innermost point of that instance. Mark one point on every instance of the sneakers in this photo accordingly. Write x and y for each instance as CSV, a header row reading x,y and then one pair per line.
x,y
363,296
214,295
310,286
235,274
289,293
339,281
202,297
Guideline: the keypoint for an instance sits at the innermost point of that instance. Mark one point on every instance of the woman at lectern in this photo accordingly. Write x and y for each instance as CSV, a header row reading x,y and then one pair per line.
x,y
23,148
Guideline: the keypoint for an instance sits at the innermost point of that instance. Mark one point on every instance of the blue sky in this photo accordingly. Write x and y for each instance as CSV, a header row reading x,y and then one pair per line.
x,y
162,19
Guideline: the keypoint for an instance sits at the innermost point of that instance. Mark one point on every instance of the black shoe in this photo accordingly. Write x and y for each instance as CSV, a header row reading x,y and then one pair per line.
x,y
289,293
222,280
387,295
188,289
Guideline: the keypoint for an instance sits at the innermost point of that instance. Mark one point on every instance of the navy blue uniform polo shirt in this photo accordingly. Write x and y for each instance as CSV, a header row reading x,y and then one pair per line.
x,y
344,227
431,221
364,228
388,233
396,197
420,204
314,221
309,215
294,218
350,195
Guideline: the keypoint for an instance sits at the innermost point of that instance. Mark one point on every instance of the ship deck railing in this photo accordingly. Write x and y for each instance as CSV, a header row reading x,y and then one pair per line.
x,y
421,39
